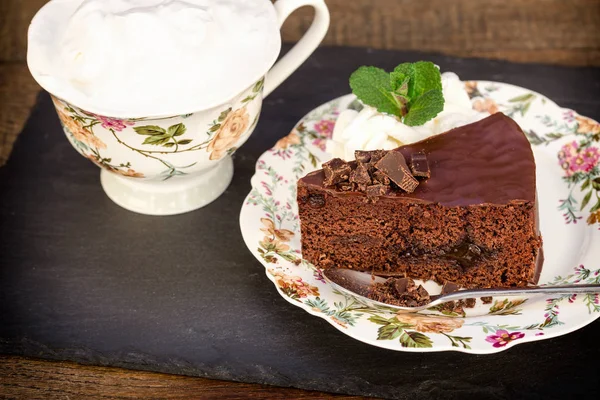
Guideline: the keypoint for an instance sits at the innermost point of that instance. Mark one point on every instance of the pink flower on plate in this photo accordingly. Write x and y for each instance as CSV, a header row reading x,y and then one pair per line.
x,y
502,337
585,160
320,143
573,159
113,123
325,127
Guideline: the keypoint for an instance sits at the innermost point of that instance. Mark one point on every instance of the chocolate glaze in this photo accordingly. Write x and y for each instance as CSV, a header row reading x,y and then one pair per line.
x,y
486,162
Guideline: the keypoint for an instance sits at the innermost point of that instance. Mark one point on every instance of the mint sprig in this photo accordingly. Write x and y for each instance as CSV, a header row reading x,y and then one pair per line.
x,y
412,92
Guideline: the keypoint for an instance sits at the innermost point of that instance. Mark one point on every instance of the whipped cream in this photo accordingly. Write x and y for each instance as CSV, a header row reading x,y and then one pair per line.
x,y
151,57
371,130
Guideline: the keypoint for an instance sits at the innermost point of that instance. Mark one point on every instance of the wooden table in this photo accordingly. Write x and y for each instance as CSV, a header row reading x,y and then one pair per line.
x,y
25,378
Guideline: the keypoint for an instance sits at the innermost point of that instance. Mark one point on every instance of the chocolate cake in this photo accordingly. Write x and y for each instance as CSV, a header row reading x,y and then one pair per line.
x,y
457,207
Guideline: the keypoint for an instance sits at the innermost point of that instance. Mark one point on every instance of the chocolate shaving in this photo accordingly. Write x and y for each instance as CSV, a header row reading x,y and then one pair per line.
x,y
393,165
362,156
419,165
336,171
381,178
360,176
450,287
344,186
375,173
377,190
370,156
486,300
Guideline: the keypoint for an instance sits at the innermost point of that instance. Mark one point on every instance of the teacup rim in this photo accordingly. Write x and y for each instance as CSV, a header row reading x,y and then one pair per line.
x,y
153,117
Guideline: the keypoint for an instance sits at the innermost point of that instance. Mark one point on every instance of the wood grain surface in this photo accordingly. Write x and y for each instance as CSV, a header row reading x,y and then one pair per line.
x,y
547,31
23,378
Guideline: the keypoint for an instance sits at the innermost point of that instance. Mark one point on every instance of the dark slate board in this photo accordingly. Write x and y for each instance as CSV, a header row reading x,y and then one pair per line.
x,y
82,279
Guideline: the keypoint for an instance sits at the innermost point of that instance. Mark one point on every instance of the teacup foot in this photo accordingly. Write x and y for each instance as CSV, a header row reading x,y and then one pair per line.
x,y
174,196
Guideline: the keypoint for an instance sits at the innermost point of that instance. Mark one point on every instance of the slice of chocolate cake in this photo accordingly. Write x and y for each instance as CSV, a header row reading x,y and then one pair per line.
x,y
458,207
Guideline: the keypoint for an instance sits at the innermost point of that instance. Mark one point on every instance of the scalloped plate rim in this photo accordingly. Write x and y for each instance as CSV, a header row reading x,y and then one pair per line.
x,y
391,345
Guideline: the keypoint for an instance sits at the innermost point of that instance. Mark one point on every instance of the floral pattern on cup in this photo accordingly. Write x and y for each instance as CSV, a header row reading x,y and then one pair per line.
x,y
77,126
156,144
230,130
113,123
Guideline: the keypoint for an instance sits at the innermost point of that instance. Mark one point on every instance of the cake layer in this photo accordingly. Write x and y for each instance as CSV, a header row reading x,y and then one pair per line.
x,y
473,246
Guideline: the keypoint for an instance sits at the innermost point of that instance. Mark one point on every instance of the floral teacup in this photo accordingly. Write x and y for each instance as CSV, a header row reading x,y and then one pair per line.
x,y
177,163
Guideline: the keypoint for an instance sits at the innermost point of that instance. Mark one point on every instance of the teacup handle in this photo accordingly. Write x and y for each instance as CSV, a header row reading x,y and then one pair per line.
x,y
305,47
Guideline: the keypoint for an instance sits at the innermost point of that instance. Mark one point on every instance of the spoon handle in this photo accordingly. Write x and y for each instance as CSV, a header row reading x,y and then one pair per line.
x,y
525,291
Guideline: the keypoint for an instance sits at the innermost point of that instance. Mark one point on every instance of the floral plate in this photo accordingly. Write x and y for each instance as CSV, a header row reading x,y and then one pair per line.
x,y
566,149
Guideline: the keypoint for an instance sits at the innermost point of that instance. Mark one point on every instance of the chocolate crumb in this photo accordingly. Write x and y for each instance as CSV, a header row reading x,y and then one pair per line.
x,y
450,287
419,165
336,171
399,291
422,293
470,303
486,300
400,285
394,166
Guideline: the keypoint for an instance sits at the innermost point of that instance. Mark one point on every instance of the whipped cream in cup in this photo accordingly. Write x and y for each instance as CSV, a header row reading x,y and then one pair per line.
x,y
161,93
151,57
370,129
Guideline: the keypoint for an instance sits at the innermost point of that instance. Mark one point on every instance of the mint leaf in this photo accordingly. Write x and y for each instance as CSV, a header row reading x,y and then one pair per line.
x,y
373,87
412,92
402,73
426,77
424,108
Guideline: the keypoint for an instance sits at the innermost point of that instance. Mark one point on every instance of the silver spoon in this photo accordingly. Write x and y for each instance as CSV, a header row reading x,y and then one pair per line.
x,y
358,284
